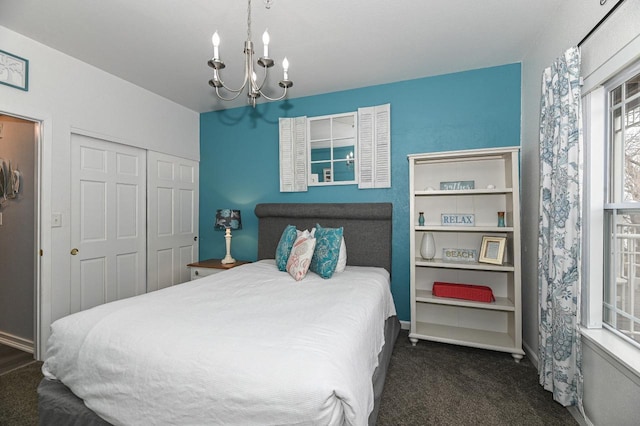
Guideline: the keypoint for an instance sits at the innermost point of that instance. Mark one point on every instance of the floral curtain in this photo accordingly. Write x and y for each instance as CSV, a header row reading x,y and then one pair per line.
x,y
560,353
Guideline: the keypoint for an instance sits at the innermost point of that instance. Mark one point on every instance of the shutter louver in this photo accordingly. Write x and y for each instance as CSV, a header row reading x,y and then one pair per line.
x,y
374,144
365,148
293,154
383,147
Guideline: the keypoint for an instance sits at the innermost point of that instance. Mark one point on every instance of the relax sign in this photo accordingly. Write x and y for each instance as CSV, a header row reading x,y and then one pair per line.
x,y
452,219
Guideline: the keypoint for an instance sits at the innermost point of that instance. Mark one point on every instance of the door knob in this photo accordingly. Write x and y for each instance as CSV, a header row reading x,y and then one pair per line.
x,y
74,251
195,238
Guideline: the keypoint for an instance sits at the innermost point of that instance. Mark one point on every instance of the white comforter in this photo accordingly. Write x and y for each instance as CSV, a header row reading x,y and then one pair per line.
x,y
249,346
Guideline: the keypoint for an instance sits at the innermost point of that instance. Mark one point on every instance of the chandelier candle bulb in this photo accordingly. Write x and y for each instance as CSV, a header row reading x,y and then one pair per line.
x,y
285,66
265,40
215,39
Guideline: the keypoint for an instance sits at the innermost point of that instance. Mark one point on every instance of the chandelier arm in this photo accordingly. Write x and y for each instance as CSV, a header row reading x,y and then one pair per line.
x,y
284,93
229,89
264,80
226,99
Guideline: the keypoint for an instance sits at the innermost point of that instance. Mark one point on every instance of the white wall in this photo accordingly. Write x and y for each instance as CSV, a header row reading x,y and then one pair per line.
x,y
67,94
611,392
605,395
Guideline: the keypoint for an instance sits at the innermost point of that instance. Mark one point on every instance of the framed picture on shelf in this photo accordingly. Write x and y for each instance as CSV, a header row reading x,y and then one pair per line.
x,y
492,250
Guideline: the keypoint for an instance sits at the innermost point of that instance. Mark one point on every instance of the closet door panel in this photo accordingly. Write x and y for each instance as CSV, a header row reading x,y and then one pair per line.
x,y
172,224
108,222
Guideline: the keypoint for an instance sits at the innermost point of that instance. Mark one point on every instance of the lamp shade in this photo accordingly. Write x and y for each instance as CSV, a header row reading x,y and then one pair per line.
x,y
227,218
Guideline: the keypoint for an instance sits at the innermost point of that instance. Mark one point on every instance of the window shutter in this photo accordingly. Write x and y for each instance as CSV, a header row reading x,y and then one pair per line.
x,y
365,147
383,146
374,146
293,154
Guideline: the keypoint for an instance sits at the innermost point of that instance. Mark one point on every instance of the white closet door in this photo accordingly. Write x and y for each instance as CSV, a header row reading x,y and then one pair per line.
x,y
108,211
172,219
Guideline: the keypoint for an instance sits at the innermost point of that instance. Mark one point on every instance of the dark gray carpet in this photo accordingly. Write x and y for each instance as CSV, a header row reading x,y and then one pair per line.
x,y
430,384
18,397
439,384
11,358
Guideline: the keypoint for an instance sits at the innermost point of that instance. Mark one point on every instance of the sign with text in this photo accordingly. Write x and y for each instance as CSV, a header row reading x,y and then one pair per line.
x,y
457,185
455,219
459,255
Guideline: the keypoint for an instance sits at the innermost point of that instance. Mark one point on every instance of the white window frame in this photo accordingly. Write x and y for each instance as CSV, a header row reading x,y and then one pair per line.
x,y
594,143
595,116
615,182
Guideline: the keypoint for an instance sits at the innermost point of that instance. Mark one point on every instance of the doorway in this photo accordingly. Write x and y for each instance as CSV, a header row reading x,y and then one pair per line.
x,y
19,195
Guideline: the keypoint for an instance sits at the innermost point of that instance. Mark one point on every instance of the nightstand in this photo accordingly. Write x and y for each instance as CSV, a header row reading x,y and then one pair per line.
x,y
211,266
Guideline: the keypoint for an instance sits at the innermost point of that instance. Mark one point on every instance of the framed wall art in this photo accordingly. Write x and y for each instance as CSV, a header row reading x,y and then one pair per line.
x,y
14,71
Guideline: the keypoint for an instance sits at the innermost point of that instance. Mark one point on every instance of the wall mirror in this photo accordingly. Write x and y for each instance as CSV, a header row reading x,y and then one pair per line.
x,y
332,149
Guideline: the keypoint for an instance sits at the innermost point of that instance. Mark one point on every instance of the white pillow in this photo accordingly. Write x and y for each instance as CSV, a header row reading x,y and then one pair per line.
x,y
306,232
342,257
301,254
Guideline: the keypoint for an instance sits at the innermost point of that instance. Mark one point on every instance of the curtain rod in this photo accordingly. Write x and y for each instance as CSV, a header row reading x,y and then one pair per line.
x,y
601,21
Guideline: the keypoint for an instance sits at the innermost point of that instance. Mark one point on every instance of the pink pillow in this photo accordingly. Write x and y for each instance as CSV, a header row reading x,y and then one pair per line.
x,y
300,257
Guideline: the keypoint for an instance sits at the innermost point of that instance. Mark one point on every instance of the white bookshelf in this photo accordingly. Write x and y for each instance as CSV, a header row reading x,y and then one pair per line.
x,y
495,174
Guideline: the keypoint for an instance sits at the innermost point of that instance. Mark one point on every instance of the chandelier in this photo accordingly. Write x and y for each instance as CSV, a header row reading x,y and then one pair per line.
x,y
255,88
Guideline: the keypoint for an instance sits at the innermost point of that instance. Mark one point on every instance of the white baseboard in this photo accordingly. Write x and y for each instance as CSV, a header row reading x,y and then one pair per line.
x,y
16,342
533,356
405,325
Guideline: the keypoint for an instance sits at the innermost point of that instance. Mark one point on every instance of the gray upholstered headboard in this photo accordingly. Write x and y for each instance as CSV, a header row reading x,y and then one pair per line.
x,y
367,228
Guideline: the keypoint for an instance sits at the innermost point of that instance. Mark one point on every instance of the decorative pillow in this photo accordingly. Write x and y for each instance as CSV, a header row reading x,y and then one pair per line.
x,y
312,233
342,257
300,257
283,250
325,257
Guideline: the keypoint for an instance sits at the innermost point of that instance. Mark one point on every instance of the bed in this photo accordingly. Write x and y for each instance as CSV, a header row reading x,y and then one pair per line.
x,y
311,352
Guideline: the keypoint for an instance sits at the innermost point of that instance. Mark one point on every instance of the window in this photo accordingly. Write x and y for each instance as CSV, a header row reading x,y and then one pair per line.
x,y
621,295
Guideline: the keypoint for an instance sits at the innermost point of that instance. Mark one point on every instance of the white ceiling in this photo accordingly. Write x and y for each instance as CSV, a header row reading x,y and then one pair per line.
x,y
332,45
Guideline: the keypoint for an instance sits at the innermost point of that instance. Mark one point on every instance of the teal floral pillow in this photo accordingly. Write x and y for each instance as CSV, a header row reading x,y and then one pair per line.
x,y
283,250
325,256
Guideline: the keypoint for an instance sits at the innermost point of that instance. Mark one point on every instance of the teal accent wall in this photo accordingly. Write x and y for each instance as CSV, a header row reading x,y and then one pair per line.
x,y
239,151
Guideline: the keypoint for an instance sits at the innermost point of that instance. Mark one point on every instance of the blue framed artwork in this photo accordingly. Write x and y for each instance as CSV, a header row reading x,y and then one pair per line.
x,y
14,71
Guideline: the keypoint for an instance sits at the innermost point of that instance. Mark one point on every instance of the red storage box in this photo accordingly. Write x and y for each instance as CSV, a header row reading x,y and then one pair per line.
x,y
479,293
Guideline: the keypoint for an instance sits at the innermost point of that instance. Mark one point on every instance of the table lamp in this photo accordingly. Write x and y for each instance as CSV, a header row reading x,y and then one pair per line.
x,y
227,219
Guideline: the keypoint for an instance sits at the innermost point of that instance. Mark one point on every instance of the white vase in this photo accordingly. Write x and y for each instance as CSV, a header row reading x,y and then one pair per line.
x,y
427,246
